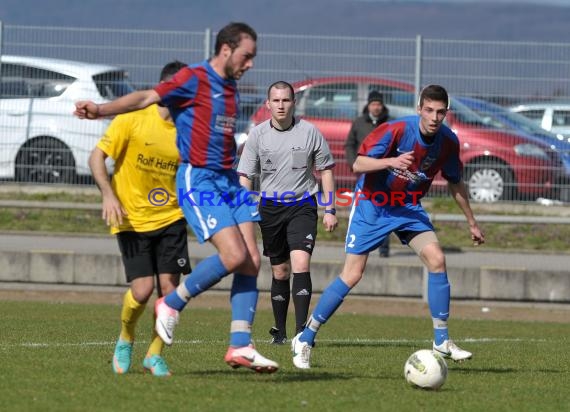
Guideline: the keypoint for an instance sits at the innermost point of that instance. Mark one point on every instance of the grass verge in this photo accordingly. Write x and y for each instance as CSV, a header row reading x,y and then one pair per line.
x,y
500,236
537,237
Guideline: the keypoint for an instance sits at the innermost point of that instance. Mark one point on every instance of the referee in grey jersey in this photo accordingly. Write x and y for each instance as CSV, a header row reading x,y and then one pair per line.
x,y
284,152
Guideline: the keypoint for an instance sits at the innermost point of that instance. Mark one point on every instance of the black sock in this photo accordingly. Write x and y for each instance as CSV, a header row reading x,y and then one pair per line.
x,y
302,292
280,291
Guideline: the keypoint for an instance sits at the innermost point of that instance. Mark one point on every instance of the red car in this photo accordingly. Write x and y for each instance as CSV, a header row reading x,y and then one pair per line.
x,y
499,165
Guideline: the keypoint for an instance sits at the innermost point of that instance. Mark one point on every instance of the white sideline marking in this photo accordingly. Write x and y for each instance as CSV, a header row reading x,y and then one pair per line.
x,y
200,342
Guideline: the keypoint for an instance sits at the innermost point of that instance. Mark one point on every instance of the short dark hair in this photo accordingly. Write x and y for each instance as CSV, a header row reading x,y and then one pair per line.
x,y
232,34
434,92
170,69
280,84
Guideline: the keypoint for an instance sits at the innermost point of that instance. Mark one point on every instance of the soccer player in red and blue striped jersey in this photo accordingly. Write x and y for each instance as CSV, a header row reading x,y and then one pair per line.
x,y
203,101
398,161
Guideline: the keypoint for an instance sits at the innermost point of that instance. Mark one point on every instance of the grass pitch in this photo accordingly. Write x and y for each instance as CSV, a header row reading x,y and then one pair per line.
x,y
57,357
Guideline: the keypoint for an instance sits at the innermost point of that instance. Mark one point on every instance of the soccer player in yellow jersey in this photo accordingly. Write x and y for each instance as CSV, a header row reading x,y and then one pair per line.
x,y
140,206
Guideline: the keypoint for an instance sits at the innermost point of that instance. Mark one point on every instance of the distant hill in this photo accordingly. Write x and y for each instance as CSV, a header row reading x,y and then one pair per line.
x,y
472,21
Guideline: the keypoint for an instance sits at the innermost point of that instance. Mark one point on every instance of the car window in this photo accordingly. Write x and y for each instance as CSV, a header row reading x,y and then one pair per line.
x,y
394,96
464,114
332,101
24,81
112,84
535,115
528,125
13,89
561,118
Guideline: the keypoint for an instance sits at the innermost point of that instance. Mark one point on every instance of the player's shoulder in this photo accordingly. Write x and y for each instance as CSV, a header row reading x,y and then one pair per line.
x,y
411,122
448,134
398,127
305,125
202,65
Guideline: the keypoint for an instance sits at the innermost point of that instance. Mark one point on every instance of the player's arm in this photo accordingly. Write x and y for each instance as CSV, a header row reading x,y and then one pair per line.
x,y
113,211
367,164
459,194
85,109
248,165
245,182
330,220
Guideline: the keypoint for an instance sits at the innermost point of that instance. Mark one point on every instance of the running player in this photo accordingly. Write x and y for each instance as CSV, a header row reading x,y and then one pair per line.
x,y
399,161
203,101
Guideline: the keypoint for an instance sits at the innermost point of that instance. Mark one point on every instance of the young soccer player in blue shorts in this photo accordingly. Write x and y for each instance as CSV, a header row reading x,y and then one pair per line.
x,y
398,162
203,101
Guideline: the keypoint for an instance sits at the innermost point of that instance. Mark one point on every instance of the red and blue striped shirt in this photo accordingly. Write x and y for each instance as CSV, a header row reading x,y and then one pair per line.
x,y
393,138
203,106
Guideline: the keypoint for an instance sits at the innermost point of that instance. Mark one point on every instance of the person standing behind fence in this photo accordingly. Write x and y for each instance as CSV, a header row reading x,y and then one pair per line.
x,y
203,100
285,151
399,161
373,115
140,206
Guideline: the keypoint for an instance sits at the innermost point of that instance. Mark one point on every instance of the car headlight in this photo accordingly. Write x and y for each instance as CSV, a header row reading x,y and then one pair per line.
x,y
530,150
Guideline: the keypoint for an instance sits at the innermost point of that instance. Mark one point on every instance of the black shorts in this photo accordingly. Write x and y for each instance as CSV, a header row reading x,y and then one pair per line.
x,y
164,250
285,228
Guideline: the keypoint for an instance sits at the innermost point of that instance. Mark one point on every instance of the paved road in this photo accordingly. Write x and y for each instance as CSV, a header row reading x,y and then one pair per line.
x,y
323,252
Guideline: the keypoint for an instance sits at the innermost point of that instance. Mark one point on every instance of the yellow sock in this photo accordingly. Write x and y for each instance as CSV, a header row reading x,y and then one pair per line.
x,y
156,344
130,314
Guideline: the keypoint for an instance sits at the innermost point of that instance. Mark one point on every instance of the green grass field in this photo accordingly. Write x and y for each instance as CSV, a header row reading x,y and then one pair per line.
x,y
56,357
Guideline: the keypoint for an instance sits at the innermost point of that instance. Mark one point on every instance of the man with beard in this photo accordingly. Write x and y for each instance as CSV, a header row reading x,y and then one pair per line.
x,y
203,101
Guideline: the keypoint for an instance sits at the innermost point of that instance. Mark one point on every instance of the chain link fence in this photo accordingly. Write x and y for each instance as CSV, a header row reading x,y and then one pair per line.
x,y
506,157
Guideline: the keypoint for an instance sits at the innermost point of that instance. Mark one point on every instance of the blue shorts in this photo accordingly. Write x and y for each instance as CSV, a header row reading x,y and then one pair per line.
x,y
369,225
212,200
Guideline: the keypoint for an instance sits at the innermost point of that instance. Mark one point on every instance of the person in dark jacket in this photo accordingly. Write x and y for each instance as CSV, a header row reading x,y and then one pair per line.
x,y
373,115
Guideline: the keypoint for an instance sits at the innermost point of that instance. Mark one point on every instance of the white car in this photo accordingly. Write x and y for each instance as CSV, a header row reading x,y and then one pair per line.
x,y
553,115
40,139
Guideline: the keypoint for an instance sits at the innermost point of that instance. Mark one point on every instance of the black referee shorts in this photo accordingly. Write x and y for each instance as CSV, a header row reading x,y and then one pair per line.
x,y
287,227
164,250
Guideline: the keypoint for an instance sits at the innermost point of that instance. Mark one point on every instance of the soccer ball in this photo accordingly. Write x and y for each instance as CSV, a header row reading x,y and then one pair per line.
x,y
425,369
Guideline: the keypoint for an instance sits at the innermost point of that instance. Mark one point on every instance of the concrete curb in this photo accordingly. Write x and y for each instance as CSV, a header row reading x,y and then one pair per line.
x,y
382,278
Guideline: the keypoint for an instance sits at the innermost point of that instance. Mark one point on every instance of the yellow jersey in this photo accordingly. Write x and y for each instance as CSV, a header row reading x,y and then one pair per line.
x,y
143,146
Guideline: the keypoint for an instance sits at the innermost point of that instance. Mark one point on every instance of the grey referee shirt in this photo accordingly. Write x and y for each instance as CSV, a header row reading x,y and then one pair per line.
x,y
285,159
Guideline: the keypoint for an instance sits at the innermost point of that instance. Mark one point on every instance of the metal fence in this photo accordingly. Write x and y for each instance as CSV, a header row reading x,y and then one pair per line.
x,y
40,141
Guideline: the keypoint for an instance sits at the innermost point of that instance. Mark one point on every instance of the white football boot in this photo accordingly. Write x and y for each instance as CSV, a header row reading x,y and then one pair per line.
x,y
448,349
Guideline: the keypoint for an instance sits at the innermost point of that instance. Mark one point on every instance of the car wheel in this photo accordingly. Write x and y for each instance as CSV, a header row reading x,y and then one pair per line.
x,y
489,183
45,160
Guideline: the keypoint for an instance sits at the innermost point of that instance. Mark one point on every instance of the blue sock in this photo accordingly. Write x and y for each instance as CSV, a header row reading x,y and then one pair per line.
x,y
438,299
205,275
243,301
329,302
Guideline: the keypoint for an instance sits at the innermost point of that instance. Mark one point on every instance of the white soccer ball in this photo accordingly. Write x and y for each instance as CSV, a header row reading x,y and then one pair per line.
x,y
425,369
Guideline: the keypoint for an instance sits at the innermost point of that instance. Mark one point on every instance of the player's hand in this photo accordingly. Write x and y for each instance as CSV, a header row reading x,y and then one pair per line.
x,y
113,211
86,110
330,222
477,235
403,161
